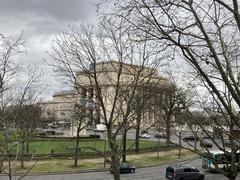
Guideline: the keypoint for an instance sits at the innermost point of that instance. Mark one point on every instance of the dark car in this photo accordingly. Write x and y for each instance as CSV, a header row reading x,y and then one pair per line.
x,y
206,143
125,168
227,143
190,138
209,135
160,135
144,131
181,172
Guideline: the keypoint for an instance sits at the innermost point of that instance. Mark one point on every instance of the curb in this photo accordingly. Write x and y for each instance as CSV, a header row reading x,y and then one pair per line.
x,y
104,170
170,163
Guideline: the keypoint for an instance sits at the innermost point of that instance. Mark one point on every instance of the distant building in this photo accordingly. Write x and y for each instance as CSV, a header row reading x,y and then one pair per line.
x,y
58,109
107,74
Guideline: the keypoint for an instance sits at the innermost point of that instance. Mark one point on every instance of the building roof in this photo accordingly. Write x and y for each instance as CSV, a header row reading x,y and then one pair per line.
x,y
128,68
65,92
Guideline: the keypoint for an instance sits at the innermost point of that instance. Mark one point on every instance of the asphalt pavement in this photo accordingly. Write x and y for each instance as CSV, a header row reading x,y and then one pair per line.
x,y
174,138
149,173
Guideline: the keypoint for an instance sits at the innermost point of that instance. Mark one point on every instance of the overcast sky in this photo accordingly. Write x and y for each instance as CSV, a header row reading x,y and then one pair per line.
x,y
40,21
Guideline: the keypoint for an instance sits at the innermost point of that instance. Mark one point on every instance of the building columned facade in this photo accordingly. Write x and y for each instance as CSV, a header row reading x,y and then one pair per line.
x,y
150,94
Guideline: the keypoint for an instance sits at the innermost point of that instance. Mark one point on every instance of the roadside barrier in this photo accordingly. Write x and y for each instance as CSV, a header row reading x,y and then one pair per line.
x,y
86,155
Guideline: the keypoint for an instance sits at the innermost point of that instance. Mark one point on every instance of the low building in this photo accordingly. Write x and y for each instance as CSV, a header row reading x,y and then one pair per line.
x,y
56,110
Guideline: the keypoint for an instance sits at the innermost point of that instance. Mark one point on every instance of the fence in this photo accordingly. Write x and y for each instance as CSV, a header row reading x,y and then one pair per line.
x,y
87,155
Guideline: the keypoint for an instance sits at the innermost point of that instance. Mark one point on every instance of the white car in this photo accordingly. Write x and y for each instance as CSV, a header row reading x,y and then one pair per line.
x,y
144,135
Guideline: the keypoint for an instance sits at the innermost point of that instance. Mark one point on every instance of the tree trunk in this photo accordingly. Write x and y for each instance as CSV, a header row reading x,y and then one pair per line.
x,y
27,141
115,168
10,174
232,178
124,150
158,147
1,166
115,162
77,148
168,128
105,149
138,121
22,155
180,144
195,144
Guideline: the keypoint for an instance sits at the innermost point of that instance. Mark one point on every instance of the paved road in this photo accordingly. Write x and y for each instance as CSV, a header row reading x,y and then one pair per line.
x,y
150,173
174,138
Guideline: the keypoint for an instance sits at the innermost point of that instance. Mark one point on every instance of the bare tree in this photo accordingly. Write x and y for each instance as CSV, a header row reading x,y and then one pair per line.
x,y
15,98
171,102
204,34
80,121
27,120
26,111
113,67
9,48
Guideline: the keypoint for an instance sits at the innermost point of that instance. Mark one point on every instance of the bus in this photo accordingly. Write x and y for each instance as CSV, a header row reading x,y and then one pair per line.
x,y
218,156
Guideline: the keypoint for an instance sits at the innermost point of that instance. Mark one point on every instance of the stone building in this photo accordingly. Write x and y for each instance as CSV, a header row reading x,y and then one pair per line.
x,y
58,112
57,109
107,75
150,88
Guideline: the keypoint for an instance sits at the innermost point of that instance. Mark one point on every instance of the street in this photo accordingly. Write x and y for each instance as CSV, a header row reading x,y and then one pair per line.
x,y
150,173
174,138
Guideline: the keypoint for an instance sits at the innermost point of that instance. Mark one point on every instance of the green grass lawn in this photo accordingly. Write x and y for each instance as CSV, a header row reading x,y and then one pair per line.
x,y
11,136
67,146
60,165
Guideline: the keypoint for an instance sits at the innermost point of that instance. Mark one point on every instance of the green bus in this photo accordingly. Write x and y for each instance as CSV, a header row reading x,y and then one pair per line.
x,y
217,156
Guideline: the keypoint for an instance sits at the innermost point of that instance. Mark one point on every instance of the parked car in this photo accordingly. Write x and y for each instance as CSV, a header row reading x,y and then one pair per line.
x,y
210,135
180,172
227,142
160,135
206,143
125,168
94,136
144,131
100,128
54,127
144,135
190,138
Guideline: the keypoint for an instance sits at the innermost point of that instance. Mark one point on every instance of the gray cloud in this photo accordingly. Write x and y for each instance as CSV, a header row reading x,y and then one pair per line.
x,y
59,9
43,16
40,21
